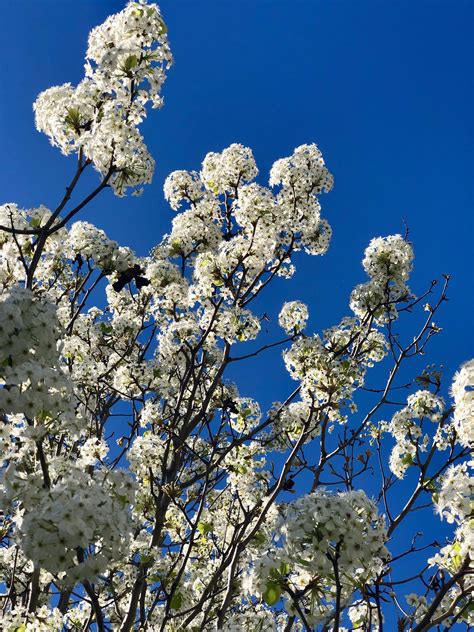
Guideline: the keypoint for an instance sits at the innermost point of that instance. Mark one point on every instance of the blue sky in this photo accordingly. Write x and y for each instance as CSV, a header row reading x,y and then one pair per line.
x,y
385,88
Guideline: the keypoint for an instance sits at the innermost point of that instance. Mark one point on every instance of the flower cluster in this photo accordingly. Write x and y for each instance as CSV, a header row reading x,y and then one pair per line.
x,y
227,170
330,369
293,317
407,430
388,262
323,536
454,500
463,394
127,58
31,375
236,232
78,526
89,242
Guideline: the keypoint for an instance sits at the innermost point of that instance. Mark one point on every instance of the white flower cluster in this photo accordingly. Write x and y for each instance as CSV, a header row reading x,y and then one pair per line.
x,y
43,619
88,241
258,618
407,430
240,230
29,329
233,324
78,526
246,414
30,373
463,394
290,421
127,58
455,498
331,369
388,261
452,556
365,616
183,186
321,532
228,170
302,172
345,525
293,317
454,502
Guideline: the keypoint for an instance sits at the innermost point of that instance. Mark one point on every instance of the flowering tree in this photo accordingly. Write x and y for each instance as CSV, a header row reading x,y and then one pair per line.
x,y
207,513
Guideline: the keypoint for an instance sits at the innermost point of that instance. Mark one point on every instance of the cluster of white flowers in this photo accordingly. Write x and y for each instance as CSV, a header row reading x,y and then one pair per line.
x,y
293,419
319,533
246,414
228,170
78,526
407,430
463,394
388,261
42,620
233,324
127,58
29,329
364,615
454,500
451,556
293,317
302,172
32,380
258,618
236,232
331,369
183,186
88,241
345,526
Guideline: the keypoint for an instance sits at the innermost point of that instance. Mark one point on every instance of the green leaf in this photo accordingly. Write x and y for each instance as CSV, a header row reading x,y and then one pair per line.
x,y
73,119
130,63
35,222
123,500
407,460
164,28
176,601
259,537
272,593
106,329
204,528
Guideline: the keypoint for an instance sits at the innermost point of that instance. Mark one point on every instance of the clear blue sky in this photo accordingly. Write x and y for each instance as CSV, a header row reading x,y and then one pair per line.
x,y
385,88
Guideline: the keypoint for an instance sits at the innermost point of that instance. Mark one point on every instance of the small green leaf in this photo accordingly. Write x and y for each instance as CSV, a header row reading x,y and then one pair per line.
x,y
130,62
164,28
73,119
35,222
106,329
123,500
155,578
272,593
204,528
176,601
259,538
